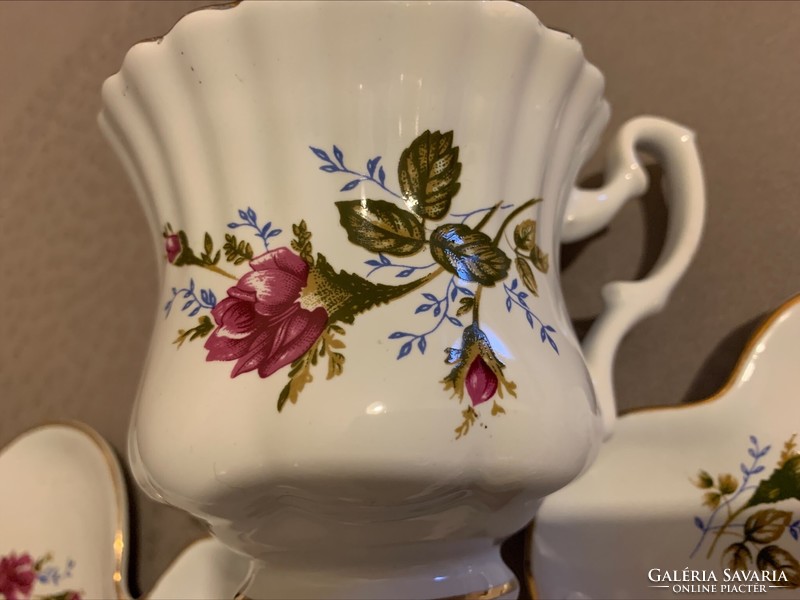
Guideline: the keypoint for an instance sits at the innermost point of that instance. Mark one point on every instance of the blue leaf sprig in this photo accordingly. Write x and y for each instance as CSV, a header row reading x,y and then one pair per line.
x,y
756,453
193,303
263,232
440,308
517,296
374,170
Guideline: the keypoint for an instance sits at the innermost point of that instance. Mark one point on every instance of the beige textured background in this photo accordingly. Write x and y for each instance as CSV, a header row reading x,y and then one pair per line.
x,y
77,272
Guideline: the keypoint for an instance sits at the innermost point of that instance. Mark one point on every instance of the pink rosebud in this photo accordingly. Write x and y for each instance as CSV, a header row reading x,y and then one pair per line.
x,y
16,576
173,247
481,382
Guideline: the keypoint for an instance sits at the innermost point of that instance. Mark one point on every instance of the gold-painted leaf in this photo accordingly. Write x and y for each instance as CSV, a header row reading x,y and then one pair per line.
x,y
526,275
783,484
302,242
237,251
767,525
776,559
727,483
525,235
466,306
381,226
469,254
204,326
737,557
711,499
540,259
703,480
428,174
470,417
789,450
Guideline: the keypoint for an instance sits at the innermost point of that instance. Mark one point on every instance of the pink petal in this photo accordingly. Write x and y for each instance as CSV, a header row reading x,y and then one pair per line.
x,y
258,351
236,318
225,348
281,259
296,335
274,290
481,382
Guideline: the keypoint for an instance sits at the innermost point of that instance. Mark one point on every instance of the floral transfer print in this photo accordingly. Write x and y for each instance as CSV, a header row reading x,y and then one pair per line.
x,y
756,533
288,309
20,576
261,324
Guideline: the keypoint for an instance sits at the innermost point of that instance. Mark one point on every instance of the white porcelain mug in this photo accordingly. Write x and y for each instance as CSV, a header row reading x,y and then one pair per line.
x,y
363,374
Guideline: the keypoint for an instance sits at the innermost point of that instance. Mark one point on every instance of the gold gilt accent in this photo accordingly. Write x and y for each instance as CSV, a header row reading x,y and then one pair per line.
x,y
744,358
490,594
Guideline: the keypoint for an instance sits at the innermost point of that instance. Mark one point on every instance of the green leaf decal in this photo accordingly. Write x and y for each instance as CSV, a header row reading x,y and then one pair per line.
x,y
737,557
526,275
204,326
774,558
784,483
540,259
467,305
703,480
380,226
428,173
468,254
727,484
302,241
237,251
767,525
525,235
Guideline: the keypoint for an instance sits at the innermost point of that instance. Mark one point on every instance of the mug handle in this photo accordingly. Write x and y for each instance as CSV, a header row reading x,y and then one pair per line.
x,y
588,211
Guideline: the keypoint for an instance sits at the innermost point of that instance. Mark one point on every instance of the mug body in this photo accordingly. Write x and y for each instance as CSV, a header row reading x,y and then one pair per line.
x,y
362,354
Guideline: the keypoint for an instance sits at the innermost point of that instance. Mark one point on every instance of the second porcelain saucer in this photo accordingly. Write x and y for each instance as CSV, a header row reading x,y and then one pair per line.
x,y
703,498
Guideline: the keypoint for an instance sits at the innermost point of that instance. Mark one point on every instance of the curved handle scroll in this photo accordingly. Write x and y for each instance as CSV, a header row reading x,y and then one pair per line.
x,y
628,302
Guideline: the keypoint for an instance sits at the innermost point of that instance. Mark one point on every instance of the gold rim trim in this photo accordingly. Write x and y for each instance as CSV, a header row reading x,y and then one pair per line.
x,y
741,363
119,544
491,594
739,367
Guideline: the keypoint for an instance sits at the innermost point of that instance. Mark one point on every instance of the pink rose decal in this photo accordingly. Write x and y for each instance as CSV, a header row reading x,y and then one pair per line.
x,y
261,324
481,382
17,576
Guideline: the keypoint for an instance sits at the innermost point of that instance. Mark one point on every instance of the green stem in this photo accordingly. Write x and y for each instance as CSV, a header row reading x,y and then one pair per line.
x,y
487,216
476,302
721,530
511,215
216,269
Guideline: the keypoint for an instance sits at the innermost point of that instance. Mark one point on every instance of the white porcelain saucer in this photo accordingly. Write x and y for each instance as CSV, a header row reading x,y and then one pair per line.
x,y
684,492
64,526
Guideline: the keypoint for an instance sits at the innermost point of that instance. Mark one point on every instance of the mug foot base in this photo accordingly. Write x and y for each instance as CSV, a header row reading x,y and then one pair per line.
x,y
391,574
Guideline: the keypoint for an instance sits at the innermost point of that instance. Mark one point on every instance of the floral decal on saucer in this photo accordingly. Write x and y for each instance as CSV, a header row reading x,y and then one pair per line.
x,y
733,505
289,307
21,576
